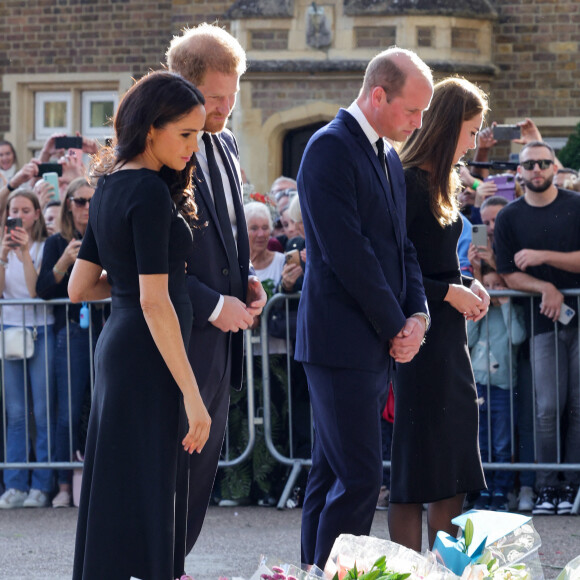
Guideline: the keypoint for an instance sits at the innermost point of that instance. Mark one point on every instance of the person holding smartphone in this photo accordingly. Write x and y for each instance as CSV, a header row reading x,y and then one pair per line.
x,y
73,349
20,260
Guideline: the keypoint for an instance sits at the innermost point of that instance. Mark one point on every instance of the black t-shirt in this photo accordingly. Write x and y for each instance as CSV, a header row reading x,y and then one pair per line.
x,y
553,227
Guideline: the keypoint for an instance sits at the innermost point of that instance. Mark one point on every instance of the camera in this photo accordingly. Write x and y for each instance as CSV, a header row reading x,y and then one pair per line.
x,y
49,168
68,142
506,132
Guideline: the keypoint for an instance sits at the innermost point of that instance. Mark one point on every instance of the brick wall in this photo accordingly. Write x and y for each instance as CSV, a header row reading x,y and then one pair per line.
x,y
275,96
269,39
84,36
537,50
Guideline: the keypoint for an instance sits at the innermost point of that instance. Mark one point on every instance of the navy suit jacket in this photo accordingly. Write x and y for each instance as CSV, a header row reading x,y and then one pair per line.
x,y
362,276
213,353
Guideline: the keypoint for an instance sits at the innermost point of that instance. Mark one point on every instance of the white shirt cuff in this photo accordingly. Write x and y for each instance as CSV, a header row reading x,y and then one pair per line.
x,y
217,310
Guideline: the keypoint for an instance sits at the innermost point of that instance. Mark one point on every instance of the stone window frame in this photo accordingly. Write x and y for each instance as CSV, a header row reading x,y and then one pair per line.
x,y
22,90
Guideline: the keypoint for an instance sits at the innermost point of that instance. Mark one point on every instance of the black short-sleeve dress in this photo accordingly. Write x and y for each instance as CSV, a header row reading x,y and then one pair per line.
x,y
132,516
435,453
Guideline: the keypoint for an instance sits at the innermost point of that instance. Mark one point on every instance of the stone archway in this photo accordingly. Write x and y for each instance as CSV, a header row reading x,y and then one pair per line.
x,y
273,132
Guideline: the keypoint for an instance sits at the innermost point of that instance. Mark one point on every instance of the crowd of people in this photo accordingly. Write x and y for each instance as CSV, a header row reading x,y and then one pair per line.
x,y
41,240
395,332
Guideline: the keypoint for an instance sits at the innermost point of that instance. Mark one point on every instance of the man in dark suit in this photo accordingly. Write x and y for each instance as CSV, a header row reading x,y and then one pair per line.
x,y
363,303
224,294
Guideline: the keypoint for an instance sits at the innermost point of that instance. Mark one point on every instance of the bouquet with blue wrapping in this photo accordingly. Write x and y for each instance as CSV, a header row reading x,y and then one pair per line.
x,y
493,545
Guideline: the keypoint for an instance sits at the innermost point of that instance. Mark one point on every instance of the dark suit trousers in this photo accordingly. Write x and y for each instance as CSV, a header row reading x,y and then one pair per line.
x,y
345,479
214,386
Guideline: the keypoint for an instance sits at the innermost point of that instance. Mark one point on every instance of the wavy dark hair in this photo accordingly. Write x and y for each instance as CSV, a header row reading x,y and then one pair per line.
x,y
455,100
159,98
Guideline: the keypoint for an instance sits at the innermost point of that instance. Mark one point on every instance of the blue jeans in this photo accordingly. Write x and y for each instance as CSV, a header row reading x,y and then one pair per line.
x,y
498,404
68,416
557,401
41,407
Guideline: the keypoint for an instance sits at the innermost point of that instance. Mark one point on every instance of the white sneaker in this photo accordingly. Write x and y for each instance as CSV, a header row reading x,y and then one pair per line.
x,y
62,499
36,499
527,499
12,498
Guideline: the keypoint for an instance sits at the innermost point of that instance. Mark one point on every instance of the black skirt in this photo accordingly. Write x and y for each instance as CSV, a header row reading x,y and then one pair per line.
x,y
435,452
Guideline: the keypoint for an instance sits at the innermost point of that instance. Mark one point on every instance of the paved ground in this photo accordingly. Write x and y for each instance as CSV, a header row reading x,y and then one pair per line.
x,y
38,544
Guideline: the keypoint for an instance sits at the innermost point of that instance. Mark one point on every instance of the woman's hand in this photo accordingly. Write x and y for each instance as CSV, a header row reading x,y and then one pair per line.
x,y
466,301
70,254
199,423
484,190
473,256
290,273
45,192
19,240
478,289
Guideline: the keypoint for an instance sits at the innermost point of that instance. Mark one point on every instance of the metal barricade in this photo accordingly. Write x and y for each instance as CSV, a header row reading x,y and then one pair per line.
x,y
49,388
297,464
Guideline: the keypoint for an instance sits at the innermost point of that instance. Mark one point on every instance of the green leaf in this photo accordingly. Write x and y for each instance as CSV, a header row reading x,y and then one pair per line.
x,y
491,564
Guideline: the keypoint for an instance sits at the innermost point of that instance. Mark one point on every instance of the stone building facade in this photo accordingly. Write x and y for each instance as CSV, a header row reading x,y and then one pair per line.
x,y
306,59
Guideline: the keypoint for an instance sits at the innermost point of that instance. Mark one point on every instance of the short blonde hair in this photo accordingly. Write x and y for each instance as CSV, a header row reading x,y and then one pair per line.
x,y
205,47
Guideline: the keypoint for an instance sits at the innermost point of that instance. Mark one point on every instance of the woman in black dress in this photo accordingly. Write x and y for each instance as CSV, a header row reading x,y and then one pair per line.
x,y
134,495
435,454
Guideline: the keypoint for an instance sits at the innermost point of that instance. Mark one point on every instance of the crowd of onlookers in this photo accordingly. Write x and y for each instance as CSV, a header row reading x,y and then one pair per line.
x,y
45,385
38,253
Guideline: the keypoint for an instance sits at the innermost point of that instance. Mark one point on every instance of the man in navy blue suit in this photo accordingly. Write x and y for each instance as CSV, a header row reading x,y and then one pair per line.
x,y
224,293
363,305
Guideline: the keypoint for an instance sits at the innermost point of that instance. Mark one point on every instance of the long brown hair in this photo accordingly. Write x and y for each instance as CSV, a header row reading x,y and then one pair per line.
x,y
67,224
455,100
38,232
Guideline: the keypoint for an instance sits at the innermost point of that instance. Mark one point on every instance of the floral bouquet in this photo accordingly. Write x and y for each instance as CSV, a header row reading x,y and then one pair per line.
x,y
493,545
378,558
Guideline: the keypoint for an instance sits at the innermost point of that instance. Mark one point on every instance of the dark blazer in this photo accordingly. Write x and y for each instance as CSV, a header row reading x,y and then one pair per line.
x,y
210,274
362,277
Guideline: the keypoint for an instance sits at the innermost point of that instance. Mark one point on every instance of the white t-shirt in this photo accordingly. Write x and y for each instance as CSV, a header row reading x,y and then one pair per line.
x,y
15,288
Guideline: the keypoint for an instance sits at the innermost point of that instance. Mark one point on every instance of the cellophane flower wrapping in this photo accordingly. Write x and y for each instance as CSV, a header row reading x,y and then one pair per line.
x,y
363,551
571,570
275,569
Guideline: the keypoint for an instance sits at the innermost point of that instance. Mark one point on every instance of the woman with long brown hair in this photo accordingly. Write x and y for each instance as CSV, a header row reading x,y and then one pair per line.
x,y
73,350
435,455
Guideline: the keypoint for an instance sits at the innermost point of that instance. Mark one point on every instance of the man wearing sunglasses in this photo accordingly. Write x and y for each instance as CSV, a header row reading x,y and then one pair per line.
x,y
537,246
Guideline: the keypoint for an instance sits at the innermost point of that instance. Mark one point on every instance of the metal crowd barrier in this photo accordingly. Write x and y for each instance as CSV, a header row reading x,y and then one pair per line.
x,y
297,464
254,419
44,306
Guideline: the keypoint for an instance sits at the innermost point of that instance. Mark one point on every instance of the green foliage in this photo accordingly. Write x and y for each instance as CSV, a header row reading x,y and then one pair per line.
x,y
570,154
377,572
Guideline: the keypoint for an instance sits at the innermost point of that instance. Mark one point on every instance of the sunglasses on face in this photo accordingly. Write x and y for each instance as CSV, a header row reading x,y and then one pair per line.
x,y
542,164
80,201
284,193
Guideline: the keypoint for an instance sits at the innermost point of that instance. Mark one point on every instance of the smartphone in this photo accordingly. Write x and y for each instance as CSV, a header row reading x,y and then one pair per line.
x,y
68,142
506,185
49,168
566,313
479,235
11,223
52,179
292,257
506,132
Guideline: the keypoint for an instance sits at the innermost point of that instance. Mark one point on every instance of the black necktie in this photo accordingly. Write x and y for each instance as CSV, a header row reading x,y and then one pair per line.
x,y
221,208
381,153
